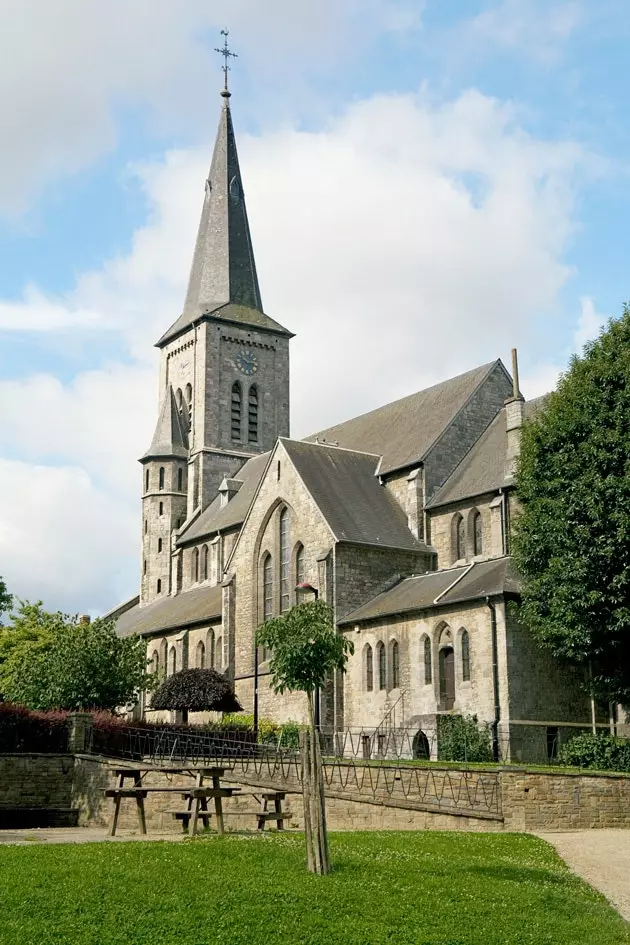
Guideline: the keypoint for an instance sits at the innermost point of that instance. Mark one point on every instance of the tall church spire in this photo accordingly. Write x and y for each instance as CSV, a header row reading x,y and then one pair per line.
x,y
223,268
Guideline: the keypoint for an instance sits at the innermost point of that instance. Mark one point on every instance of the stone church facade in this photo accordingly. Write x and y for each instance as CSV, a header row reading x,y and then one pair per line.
x,y
399,518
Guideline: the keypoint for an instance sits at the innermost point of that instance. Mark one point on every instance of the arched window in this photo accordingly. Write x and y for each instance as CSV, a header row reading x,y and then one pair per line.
x,y
155,662
267,588
369,668
161,510
395,664
204,563
146,480
172,661
458,537
428,675
159,544
161,477
179,398
146,525
299,565
218,653
164,655
194,566
158,586
477,533
201,655
252,415
144,566
180,480
210,647
189,401
285,563
237,409
465,645
382,665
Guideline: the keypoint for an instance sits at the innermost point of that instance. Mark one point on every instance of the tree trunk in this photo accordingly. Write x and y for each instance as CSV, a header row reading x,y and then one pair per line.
x,y
317,853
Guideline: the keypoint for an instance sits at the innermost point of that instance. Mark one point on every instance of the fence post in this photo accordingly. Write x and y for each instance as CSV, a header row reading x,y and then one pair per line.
x,y
79,732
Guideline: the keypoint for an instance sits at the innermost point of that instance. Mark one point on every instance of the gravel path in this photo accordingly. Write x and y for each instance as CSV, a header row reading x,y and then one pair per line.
x,y
602,858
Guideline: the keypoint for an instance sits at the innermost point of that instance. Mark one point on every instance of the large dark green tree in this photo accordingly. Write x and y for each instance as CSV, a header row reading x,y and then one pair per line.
x,y
305,650
572,539
52,661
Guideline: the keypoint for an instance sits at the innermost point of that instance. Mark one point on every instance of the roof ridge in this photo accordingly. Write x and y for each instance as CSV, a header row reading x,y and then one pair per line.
x,y
333,446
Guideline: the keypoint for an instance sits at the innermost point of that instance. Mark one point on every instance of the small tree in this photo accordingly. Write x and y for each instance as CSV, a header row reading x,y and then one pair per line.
x,y
306,649
196,690
5,599
52,661
572,539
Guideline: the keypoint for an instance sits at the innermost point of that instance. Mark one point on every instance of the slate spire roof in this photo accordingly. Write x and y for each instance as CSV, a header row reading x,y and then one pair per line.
x,y
171,435
223,282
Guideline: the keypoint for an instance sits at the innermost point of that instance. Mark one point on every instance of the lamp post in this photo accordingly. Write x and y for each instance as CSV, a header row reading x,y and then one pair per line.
x,y
301,588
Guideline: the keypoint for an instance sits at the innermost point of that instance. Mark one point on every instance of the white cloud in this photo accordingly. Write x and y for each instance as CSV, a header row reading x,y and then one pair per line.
x,y
406,242
68,66
537,29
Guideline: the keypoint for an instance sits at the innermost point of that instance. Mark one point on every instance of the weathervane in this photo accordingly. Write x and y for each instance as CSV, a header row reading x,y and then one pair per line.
x,y
227,54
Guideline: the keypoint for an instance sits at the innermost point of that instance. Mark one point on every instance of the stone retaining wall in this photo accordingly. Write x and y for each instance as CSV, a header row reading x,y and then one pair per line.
x,y
530,800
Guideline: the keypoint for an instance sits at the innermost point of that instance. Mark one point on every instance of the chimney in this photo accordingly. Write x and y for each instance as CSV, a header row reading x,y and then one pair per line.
x,y
513,422
85,619
228,489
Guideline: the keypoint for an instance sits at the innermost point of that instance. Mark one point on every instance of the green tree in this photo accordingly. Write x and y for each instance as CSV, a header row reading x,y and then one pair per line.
x,y
51,660
572,538
5,599
306,649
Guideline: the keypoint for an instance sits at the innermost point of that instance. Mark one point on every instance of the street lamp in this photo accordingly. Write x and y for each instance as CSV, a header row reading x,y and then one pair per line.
x,y
305,587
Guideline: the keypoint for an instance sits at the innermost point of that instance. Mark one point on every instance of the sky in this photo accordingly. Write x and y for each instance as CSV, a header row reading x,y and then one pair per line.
x,y
428,185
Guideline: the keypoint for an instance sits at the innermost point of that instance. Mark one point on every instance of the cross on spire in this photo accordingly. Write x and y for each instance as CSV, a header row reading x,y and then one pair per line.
x,y
227,53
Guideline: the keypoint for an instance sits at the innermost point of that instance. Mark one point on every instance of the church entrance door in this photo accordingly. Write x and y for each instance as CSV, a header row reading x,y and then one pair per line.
x,y
447,677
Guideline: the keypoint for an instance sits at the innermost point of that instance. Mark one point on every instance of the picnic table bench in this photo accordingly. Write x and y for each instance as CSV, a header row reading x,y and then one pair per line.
x,y
196,796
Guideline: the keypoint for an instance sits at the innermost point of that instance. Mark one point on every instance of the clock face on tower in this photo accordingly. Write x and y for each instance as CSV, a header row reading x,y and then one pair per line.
x,y
247,362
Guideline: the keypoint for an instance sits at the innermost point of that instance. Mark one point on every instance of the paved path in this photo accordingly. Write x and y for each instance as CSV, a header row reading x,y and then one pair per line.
x,y
602,858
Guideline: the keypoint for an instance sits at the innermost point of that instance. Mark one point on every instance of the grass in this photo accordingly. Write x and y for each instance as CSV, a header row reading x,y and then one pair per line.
x,y
420,888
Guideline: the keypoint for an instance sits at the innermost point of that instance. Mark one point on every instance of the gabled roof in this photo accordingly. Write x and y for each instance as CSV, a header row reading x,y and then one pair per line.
x,y
171,436
201,605
483,468
220,518
404,431
440,589
355,505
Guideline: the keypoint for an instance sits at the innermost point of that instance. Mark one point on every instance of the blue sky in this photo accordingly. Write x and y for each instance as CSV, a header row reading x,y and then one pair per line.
x,y
428,184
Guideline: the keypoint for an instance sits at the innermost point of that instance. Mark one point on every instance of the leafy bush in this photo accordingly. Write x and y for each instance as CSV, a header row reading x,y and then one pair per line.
x,y
603,752
461,738
285,735
24,731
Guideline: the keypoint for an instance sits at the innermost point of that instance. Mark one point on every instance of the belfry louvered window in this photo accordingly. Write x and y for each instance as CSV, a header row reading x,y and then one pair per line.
x,y
237,410
252,415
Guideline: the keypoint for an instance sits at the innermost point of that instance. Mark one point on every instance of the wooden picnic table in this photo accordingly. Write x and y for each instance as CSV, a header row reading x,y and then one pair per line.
x,y
196,796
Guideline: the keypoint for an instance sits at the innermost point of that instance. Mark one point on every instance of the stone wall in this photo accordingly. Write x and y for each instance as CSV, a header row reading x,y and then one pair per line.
x,y
534,800
361,573
36,780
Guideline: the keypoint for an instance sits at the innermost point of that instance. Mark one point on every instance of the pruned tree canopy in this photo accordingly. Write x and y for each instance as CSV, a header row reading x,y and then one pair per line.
x,y
196,690
572,539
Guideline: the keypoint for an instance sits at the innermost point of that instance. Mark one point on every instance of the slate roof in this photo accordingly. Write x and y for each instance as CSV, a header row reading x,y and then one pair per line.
x,y
201,605
483,468
216,518
223,272
171,436
348,494
467,583
403,432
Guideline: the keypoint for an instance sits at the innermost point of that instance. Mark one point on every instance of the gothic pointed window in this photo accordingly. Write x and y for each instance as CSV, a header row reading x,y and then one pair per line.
x,y
180,480
267,577
172,661
158,586
194,566
210,647
204,563
218,653
159,544
369,668
146,481
395,664
382,665
252,415
458,537
465,645
237,410
201,655
155,662
161,486
285,563
477,531
299,565
189,403
428,675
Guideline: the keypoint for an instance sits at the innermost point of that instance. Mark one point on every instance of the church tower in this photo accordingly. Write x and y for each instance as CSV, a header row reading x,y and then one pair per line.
x,y
224,368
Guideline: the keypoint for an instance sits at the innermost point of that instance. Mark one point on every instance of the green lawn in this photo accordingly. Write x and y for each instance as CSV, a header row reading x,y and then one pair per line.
x,y
437,888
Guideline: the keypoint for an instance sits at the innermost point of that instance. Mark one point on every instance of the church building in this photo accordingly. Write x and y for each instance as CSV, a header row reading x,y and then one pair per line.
x,y
398,518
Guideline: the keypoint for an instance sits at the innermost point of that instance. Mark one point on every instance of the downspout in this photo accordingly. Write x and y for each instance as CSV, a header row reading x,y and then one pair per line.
x,y
495,679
